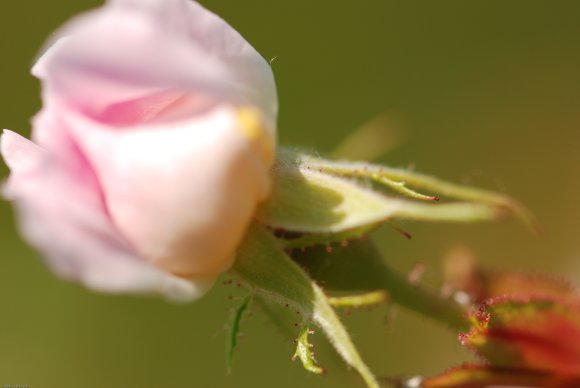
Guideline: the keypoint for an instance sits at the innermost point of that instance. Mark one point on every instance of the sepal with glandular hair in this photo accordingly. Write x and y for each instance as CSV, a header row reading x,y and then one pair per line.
x,y
315,195
264,268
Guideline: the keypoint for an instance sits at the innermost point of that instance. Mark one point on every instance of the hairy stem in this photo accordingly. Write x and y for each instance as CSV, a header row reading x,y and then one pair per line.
x,y
424,302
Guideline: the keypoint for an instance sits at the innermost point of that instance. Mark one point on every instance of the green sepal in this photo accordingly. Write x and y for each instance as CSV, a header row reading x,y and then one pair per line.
x,y
264,268
312,201
314,195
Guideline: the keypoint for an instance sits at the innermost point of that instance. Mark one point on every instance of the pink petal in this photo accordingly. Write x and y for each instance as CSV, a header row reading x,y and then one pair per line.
x,y
131,50
62,217
182,193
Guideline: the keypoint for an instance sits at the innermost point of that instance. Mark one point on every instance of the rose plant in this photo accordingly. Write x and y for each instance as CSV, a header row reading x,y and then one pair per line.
x,y
153,168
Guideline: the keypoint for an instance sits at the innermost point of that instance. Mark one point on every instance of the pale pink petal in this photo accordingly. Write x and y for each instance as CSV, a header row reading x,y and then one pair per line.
x,y
133,50
183,194
155,142
62,218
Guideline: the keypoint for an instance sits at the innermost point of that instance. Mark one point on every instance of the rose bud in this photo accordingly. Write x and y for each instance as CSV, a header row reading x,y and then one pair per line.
x,y
535,334
486,376
463,273
151,152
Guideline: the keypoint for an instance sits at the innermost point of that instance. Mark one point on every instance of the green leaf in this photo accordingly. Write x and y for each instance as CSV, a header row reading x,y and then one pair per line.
x,y
312,195
263,267
232,338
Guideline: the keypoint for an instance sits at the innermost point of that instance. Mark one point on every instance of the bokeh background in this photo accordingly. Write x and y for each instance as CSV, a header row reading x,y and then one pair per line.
x,y
482,92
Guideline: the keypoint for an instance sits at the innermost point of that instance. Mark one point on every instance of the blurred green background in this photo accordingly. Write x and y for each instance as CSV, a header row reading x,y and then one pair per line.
x,y
485,92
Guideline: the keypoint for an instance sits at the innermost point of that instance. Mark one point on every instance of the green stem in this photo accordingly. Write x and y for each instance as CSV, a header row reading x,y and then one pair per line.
x,y
424,302
360,267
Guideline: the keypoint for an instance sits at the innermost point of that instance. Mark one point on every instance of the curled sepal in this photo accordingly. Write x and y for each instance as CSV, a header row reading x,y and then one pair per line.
x,y
538,334
480,376
264,268
234,329
304,352
315,195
